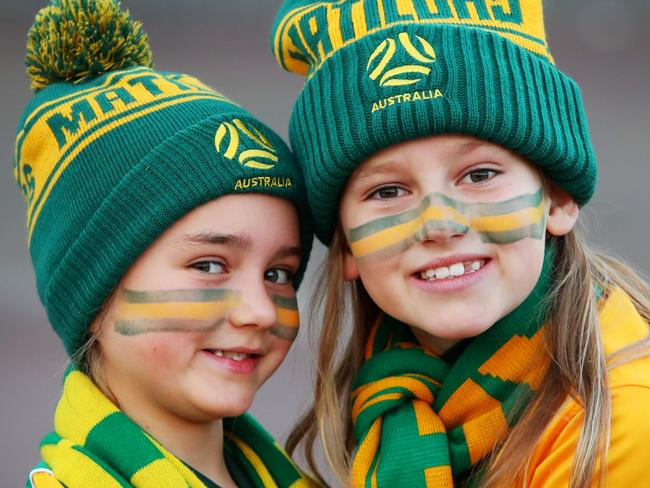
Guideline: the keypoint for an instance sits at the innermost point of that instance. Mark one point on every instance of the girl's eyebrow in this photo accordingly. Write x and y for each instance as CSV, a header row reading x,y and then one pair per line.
x,y
470,146
241,241
387,167
288,251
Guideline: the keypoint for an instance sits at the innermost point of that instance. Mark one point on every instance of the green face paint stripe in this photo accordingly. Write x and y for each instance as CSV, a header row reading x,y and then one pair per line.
x,y
403,245
190,295
137,327
290,303
527,200
284,332
374,226
480,209
534,231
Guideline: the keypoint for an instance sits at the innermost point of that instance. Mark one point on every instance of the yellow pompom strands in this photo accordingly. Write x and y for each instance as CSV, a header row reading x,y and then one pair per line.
x,y
72,40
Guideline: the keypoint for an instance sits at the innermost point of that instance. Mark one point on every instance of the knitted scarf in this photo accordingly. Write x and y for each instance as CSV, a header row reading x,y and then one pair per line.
x,y
96,445
421,421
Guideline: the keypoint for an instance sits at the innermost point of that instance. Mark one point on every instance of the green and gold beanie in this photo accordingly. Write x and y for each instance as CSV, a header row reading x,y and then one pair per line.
x,y
110,153
384,71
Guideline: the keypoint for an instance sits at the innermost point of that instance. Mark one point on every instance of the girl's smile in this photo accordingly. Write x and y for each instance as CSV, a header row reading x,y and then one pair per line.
x,y
451,274
446,233
238,360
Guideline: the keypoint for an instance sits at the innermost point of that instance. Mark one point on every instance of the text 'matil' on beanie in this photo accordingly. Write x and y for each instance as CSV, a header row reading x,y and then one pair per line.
x,y
382,72
110,153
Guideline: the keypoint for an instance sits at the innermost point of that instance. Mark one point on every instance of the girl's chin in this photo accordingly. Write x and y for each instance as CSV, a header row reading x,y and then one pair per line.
x,y
449,333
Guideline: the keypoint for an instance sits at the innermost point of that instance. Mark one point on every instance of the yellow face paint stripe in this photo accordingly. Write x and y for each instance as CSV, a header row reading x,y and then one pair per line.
x,y
497,222
508,222
287,317
199,311
394,235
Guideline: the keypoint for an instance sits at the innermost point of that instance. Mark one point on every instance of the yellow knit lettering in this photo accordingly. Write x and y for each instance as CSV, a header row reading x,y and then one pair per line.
x,y
407,97
263,182
309,35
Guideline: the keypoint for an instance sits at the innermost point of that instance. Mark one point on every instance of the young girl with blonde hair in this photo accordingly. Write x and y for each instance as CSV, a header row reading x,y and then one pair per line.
x,y
174,309
446,161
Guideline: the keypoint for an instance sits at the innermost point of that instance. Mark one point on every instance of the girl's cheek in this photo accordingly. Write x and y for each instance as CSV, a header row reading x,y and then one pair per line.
x,y
158,353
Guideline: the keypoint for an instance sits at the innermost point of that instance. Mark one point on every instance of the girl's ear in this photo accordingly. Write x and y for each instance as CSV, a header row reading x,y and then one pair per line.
x,y
563,212
94,327
350,270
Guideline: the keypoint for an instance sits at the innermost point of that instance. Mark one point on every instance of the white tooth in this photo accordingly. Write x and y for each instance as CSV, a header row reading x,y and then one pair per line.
x,y
218,353
476,265
457,269
239,356
430,273
442,272
423,275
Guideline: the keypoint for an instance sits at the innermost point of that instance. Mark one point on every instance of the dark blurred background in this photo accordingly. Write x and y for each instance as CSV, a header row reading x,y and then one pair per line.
x,y
604,45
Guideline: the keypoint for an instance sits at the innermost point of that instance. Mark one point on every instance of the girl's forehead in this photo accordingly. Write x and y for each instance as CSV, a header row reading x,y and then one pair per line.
x,y
256,215
428,152
256,224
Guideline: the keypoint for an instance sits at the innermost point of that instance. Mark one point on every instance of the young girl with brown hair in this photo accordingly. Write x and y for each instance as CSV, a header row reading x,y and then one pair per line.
x,y
446,160
168,234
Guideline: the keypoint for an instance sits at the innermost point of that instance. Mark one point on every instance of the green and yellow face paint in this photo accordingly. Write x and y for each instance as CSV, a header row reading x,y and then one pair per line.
x,y
502,222
288,318
192,310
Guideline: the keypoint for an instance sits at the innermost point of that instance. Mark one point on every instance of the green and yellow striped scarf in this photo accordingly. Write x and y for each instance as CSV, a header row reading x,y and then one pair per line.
x,y
420,421
96,445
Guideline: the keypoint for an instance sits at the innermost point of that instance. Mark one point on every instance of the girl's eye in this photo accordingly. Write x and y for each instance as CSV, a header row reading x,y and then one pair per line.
x,y
209,267
279,276
479,175
388,192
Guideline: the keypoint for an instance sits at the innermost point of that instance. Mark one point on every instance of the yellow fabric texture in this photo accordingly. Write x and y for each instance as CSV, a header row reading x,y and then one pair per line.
x,y
44,479
628,459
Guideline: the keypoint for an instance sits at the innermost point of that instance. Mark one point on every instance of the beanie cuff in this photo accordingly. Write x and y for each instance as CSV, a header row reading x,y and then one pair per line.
x,y
407,82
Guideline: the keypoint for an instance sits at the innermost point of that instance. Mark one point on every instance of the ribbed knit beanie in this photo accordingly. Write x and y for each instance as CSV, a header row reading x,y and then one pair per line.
x,y
385,71
110,153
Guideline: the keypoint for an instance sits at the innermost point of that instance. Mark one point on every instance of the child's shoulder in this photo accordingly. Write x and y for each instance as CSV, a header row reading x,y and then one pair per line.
x,y
621,326
629,385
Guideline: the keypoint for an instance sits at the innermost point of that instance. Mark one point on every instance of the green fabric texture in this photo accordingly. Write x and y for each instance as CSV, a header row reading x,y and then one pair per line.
x,y
465,79
403,452
107,160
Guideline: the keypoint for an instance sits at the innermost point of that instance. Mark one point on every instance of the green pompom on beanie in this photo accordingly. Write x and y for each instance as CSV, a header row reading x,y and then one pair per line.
x,y
382,72
109,153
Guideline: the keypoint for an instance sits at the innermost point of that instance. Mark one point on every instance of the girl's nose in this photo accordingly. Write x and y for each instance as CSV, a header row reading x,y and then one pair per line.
x,y
441,231
256,309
